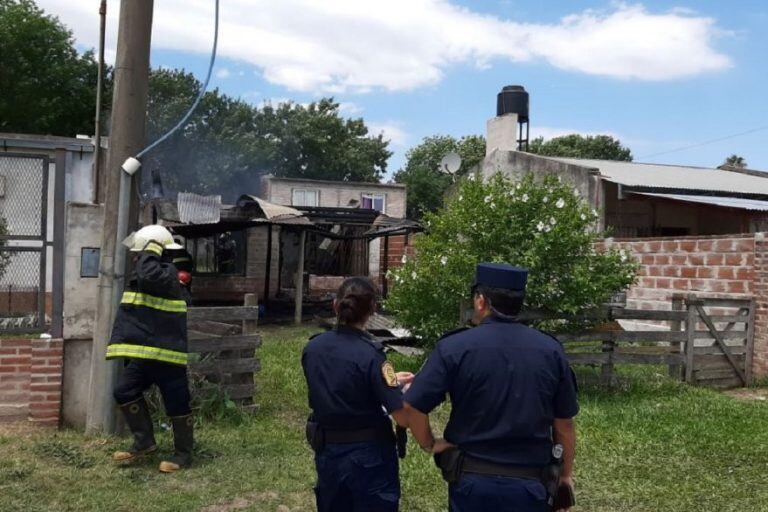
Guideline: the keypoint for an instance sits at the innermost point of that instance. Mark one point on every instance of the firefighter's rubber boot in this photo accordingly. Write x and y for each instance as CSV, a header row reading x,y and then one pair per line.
x,y
140,423
183,441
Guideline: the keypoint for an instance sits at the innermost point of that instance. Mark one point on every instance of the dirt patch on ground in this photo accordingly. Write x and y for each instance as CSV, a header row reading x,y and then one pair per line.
x,y
241,502
749,394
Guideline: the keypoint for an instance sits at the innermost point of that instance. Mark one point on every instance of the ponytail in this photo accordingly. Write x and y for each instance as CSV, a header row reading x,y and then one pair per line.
x,y
355,301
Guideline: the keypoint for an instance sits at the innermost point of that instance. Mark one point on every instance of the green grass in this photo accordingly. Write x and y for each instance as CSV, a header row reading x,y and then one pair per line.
x,y
651,445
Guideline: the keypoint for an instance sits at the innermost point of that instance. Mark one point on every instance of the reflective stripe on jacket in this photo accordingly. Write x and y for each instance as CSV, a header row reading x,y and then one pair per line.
x,y
151,322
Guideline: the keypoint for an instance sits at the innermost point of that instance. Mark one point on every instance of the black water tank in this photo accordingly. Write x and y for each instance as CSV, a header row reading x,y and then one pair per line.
x,y
513,99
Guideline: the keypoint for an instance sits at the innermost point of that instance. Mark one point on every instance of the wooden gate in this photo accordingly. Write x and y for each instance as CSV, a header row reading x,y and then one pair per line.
x,y
226,340
719,341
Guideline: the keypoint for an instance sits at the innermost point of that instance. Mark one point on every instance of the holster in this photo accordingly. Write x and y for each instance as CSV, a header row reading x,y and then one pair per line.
x,y
315,436
558,496
401,438
450,462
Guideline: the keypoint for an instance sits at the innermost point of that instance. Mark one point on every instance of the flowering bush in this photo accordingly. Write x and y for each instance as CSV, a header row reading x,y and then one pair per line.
x,y
542,226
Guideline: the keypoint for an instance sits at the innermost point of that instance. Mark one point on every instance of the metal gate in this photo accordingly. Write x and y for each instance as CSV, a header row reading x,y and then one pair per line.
x,y
24,303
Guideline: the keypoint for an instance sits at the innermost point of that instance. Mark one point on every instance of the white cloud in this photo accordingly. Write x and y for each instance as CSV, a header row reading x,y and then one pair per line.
x,y
223,73
364,45
392,131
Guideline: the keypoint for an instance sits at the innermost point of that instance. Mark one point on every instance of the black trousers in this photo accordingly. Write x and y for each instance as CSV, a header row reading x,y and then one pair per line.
x,y
138,375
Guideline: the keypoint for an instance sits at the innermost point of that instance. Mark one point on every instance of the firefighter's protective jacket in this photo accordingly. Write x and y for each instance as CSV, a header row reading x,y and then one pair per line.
x,y
151,322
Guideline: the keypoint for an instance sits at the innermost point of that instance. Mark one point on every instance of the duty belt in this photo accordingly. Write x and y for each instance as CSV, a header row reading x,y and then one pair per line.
x,y
477,466
361,435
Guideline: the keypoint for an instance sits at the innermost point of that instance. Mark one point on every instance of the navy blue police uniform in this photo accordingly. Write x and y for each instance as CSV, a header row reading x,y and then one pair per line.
x,y
507,383
352,387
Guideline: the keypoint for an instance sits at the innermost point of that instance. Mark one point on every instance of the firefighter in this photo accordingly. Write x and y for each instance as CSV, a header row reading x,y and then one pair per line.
x,y
182,260
150,332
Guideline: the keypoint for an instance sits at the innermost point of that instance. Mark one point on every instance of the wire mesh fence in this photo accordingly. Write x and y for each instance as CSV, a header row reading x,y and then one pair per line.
x,y
21,300
23,186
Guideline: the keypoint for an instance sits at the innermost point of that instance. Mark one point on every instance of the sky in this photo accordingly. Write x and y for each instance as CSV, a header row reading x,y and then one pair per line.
x,y
659,75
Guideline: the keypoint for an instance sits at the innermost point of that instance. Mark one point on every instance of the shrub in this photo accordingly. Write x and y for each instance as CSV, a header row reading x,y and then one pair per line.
x,y
543,226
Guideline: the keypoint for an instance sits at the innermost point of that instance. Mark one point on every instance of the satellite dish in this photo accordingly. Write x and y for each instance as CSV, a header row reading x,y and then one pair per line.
x,y
450,163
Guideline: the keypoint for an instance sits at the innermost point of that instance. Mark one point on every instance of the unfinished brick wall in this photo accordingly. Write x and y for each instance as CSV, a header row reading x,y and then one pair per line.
x,y
722,266
30,380
760,290
399,246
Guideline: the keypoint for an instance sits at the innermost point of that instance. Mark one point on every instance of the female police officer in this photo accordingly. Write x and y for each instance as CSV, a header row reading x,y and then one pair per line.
x,y
351,384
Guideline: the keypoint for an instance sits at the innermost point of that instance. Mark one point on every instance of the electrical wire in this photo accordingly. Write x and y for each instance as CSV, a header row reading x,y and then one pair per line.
x,y
199,96
706,142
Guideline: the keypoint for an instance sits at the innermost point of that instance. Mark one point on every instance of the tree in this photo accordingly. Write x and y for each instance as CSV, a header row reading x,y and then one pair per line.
x,y
46,86
735,161
600,147
426,183
543,226
229,143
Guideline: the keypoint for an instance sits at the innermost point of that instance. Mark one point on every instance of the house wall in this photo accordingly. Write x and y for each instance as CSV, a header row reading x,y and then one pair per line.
x,y
638,215
336,194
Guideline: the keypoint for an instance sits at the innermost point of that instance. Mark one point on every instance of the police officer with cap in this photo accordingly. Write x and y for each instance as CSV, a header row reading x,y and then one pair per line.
x,y
513,398
352,387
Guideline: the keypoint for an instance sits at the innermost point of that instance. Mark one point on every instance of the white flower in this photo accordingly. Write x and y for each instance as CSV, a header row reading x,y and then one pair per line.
x,y
540,226
547,229
488,199
623,255
471,177
560,203
583,217
461,197
444,260
525,198
545,199
413,275
405,259
552,221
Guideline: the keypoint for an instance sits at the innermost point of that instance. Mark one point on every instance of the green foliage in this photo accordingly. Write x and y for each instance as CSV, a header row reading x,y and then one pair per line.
x,y
600,147
210,404
426,184
544,227
65,452
229,143
736,161
46,86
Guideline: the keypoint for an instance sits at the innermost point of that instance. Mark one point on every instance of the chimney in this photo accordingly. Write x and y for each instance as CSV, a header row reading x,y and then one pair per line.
x,y
508,131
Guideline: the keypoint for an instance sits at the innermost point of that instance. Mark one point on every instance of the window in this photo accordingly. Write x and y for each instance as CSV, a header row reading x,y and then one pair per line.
x,y
223,253
375,202
305,197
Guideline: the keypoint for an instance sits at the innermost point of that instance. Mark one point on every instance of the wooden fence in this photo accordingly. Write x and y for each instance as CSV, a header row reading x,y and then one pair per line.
x,y
707,341
226,340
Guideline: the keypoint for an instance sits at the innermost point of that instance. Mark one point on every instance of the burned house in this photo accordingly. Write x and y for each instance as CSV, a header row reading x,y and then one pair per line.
x,y
255,246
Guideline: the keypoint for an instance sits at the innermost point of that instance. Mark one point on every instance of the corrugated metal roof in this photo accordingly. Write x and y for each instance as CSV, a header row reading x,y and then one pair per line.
x,y
727,202
674,176
275,213
197,209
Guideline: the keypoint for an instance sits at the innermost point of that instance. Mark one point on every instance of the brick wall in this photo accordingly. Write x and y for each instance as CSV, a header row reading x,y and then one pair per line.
x,y
722,266
30,380
399,246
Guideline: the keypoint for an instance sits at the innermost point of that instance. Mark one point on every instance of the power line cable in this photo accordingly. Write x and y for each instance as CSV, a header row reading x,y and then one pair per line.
x,y
697,145
199,96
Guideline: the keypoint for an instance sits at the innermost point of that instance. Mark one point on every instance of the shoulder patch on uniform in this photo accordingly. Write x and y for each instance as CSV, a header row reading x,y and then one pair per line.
x,y
389,375
454,331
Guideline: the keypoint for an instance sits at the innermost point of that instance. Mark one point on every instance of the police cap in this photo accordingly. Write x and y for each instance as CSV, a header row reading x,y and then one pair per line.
x,y
501,275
